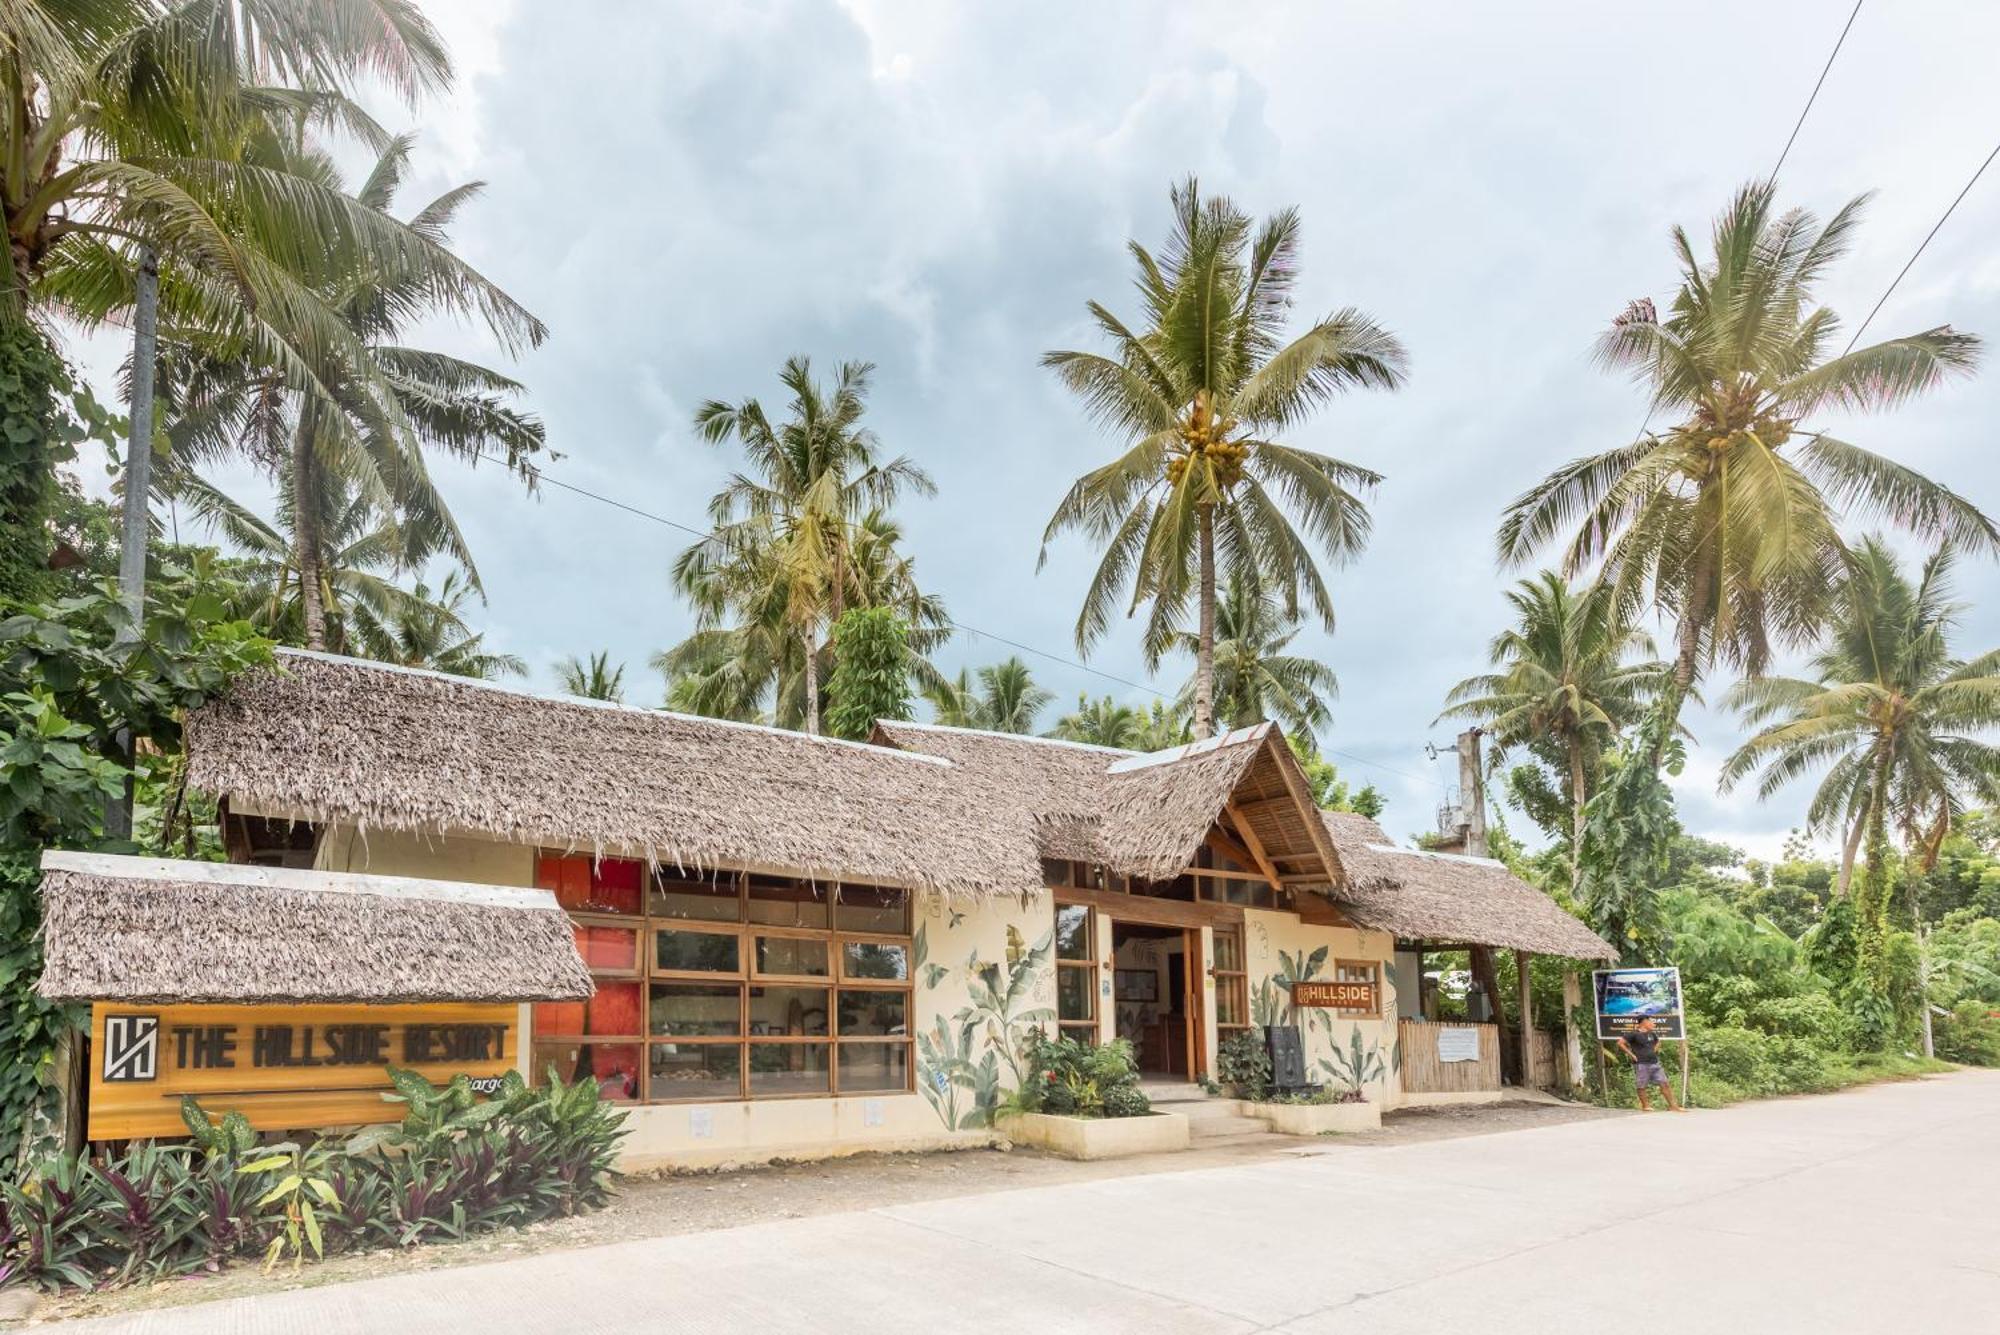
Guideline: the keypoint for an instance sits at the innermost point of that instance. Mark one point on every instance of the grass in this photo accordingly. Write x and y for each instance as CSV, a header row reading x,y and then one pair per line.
x,y
1839,1071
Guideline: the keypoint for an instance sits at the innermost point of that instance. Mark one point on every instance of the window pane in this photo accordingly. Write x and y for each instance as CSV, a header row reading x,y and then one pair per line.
x,y
870,1012
704,952
874,1066
1075,995
788,1010
614,1066
615,949
874,959
614,1012
1055,872
792,956
695,1070
614,885
870,908
705,900
695,1009
786,903
1073,932
1229,1001
788,1068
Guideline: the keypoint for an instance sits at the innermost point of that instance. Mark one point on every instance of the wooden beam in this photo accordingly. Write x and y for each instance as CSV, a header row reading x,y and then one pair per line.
x,y
1229,848
1254,844
1526,988
1150,910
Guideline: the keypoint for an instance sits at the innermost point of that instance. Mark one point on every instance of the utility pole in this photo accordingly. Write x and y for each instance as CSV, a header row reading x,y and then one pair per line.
x,y
134,529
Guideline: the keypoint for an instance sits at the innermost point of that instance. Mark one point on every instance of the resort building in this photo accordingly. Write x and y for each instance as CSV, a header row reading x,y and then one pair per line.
x,y
770,944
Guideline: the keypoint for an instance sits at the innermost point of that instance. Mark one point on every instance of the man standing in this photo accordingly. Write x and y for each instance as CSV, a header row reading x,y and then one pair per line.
x,y
1643,1047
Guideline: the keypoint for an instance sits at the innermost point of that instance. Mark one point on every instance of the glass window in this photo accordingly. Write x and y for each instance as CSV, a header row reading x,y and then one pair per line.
x,y
614,1066
873,908
788,1010
607,949
789,1068
695,1070
686,1010
1073,931
1055,872
874,1011
874,1066
696,952
778,902
874,959
793,956
698,900
1075,995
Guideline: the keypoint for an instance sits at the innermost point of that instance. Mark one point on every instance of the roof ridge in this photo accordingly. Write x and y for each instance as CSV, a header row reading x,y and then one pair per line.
x,y
616,706
120,866
1234,737
889,724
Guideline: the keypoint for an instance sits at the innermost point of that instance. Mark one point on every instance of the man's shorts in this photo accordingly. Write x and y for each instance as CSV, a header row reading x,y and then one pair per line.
x,y
1648,1073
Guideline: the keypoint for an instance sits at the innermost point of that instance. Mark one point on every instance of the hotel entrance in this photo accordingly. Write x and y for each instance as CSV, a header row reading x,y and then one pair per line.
x,y
1156,997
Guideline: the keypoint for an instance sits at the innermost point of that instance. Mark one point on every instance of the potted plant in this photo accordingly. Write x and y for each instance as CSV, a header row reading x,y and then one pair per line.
x,y
1084,1102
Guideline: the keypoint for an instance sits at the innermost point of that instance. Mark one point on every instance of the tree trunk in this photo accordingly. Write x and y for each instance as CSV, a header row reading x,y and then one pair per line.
x,y
133,528
306,536
812,684
1577,781
1687,657
1847,854
1204,657
1489,982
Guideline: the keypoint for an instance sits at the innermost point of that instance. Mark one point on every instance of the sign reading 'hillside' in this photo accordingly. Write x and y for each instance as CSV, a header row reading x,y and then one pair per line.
x,y
286,1068
1335,996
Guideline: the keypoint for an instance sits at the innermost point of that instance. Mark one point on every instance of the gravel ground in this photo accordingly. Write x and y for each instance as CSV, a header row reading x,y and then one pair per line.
x,y
665,1206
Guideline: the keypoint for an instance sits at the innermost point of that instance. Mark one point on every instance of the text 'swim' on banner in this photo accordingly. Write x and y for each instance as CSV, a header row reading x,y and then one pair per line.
x,y
286,1068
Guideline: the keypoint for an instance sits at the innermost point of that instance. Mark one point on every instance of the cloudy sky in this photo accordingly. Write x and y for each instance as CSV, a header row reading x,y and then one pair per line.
x,y
688,194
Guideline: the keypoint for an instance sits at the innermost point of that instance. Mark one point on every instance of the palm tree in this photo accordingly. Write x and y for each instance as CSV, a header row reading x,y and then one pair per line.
x,y
374,411
592,678
784,550
1100,722
1255,678
431,632
999,698
1726,520
1894,719
1570,675
1204,488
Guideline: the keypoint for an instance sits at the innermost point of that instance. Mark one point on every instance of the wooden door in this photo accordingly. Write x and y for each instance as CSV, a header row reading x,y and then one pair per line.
x,y
1194,1001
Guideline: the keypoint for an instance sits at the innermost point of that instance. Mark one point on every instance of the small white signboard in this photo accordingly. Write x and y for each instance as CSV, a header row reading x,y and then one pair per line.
x,y
1456,1044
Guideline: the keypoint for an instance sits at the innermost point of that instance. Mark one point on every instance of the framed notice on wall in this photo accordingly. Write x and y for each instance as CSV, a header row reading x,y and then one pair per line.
x,y
286,1068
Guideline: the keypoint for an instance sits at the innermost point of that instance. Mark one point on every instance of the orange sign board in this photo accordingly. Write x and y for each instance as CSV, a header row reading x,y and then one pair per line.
x,y
1336,996
286,1068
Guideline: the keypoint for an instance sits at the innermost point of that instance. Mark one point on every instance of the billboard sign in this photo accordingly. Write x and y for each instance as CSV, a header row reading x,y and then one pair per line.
x,y
1627,996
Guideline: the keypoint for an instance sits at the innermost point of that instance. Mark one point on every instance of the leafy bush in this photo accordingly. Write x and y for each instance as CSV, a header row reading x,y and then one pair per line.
x,y
1075,1079
454,1167
1970,1034
1243,1062
1737,1057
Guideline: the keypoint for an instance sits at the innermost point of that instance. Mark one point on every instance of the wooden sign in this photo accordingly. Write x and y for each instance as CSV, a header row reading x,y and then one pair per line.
x,y
286,1068
1335,996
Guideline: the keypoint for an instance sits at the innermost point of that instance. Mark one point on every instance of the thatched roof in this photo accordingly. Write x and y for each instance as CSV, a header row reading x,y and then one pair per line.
x,y
1449,899
1138,814
149,930
338,739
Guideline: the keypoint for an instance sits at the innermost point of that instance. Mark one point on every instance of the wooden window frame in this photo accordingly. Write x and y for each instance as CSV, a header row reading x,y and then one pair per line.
x,y
1373,968
1090,966
746,976
1236,982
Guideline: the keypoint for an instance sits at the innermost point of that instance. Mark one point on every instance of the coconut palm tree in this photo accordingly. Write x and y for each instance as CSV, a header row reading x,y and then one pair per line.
x,y
375,411
784,545
1100,722
431,632
1725,521
1002,697
1255,679
1202,390
1897,723
592,678
1570,675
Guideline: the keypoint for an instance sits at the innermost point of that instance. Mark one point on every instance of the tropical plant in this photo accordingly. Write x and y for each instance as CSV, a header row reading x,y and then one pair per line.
x,y
1330,792
1726,520
1629,826
1255,679
1243,1064
1002,697
592,678
871,672
429,630
1571,674
1203,490
784,556
1069,1078
297,1178
1100,722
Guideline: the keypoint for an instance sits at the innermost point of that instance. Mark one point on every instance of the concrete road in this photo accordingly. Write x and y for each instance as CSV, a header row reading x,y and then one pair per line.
x,y
1871,1211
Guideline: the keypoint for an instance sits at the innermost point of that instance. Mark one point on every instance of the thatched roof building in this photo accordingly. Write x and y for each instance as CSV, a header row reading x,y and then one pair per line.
x,y
333,739
1448,899
148,930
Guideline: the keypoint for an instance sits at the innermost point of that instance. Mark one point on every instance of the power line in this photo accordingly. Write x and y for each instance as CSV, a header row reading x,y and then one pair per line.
x,y
540,475
1817,84
1946,217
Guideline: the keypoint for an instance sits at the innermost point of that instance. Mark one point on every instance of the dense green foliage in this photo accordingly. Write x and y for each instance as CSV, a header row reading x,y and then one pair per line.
x,y
871,672
1243,1064
1072,1079
456,1166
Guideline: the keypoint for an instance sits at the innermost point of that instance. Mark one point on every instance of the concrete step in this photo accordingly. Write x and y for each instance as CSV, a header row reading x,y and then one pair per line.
x,y
1172,1091
1231,1127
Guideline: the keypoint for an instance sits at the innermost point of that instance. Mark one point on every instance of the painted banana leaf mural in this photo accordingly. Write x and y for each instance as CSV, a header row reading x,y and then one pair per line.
x,y
1007,1000
1361,1063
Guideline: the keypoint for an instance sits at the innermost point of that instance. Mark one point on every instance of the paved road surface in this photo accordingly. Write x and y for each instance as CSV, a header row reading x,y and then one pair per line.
x,y
1870,1211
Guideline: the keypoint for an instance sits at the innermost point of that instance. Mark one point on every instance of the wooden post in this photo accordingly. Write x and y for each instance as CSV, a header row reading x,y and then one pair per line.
x,y
1684,1062
1572,1041
1603,1076
1526,989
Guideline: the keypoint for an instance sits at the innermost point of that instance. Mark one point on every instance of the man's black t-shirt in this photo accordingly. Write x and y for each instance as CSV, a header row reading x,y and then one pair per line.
x,y
1645,1046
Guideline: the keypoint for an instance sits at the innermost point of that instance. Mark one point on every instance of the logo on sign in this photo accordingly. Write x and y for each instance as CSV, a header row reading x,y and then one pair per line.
x,y
131,1047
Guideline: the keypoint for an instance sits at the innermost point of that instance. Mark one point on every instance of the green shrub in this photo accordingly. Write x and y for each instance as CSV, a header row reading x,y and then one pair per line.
x,y
1797,1066
1075,1079
1740,1058
1969,1035
1243,1063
